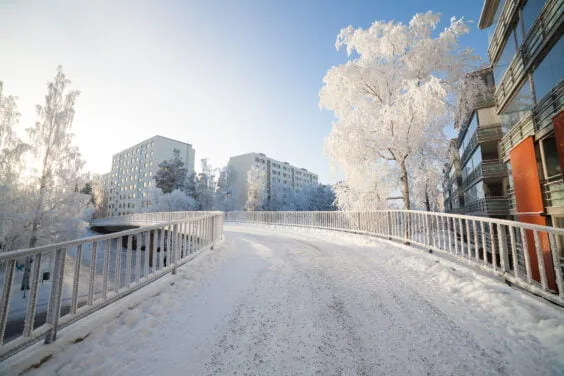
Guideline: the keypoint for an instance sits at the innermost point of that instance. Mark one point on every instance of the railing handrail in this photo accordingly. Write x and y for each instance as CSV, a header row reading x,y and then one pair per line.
x,y
71,243
114,265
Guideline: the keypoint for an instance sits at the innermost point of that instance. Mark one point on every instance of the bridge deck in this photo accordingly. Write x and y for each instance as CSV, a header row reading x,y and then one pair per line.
x,y
303,302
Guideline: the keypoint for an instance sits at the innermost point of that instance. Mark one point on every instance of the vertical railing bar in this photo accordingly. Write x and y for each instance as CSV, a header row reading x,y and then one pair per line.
x,y
8,268
138,257
129,260
162,246
117,268
484,247
525,246
554,249
513,251
32,298
493,247
468,240
91,279
54,307
155,246
76,279
475,229
106,270
503,256
540,257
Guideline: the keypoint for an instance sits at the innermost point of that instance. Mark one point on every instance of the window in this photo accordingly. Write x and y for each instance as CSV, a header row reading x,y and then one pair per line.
x,y
469,133
473,162
517,108
507,54
551,157
530,12
549,72
474,193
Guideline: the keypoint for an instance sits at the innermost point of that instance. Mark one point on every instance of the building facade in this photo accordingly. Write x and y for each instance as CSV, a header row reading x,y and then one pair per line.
x,y
453,192
484,176
526,52
131,177
278,175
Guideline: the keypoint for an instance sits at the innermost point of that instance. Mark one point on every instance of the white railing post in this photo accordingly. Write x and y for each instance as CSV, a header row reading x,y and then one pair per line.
x,y
54,307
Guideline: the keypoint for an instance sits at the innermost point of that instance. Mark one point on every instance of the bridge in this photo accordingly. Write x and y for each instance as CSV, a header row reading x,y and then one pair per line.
x,y
388,292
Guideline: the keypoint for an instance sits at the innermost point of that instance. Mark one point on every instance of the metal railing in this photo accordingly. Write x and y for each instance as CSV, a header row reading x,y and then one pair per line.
x,y
49,287
489,205
142,219
485,170
496,245
545,27
554,191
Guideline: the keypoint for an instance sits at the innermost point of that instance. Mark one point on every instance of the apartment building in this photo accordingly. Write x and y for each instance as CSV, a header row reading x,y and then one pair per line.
x,y
484,175
133,169
526,52
277,174
453,192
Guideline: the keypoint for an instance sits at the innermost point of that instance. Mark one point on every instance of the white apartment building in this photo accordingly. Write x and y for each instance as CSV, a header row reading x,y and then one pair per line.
x,y
278,173
133,170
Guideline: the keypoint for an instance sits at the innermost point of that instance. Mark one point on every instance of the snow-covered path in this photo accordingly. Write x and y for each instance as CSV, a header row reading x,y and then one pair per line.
x,y
275,301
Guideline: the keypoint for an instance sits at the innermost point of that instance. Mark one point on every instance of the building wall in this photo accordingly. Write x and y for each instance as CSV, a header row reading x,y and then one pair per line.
x,y
133,170
277,175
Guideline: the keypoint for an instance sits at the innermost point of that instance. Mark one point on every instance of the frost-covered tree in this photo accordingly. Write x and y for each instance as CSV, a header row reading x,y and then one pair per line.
x,y
171,174
176,200
224,198
59,164
392,99
256,189
11,152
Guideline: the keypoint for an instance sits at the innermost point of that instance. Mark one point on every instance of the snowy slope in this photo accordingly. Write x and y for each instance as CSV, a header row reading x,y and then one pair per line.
x,y
283,301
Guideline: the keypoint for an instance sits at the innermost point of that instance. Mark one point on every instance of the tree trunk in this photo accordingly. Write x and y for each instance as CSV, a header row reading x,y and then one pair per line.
x,y
405,194
404,185
427,200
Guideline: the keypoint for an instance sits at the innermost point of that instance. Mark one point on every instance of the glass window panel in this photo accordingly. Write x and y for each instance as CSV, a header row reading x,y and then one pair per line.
x,y
551,157
509,50
530,12
517,108
550,71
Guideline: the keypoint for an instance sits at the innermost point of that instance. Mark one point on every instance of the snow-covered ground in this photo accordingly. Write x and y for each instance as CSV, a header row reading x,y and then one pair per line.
x,y
291,301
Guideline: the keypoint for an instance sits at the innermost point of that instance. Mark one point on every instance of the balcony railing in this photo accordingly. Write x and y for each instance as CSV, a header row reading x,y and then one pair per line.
x,y
554,191
483,134
546,25
486,170
505,21
489,206
515,135
549,106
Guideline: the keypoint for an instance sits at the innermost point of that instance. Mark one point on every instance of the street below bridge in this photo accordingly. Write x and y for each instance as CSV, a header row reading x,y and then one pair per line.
x,y
291,301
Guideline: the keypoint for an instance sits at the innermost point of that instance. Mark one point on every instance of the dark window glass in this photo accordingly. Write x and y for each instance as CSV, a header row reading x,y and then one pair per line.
x,y
550,71
517,108
469,133
551,157
507,54
530,12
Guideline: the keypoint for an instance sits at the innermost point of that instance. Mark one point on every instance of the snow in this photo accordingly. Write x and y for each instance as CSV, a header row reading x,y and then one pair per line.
x,y
297,301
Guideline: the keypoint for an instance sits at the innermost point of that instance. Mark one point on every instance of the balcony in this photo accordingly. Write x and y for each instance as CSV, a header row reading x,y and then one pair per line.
x,y
505,21
483,134
486,170
549,106
545,27
518,133
488,206
553,189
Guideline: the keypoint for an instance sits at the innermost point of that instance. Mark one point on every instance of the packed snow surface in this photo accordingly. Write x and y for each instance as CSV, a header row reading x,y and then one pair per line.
x,y
291,301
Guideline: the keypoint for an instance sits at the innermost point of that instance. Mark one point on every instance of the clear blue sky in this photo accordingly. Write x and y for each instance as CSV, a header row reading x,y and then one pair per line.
x,y
229,77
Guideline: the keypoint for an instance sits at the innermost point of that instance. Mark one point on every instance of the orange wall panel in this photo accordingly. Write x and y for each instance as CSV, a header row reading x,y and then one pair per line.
x,y
528,198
